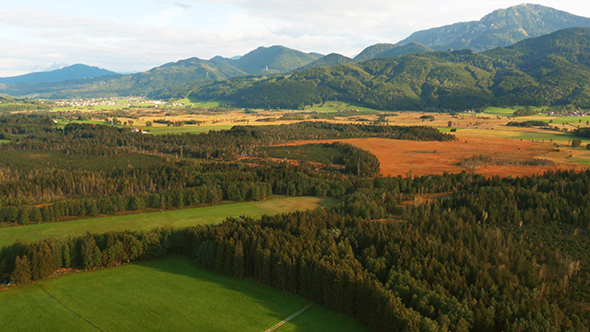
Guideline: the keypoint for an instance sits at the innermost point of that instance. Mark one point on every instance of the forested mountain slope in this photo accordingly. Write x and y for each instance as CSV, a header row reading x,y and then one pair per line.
x,y
391,50
332,59
549,70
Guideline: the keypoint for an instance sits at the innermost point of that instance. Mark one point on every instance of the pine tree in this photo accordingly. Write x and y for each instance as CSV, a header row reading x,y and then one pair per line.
x,y
35,215
239,270
23,217
67,261
97,256
88,253
22,271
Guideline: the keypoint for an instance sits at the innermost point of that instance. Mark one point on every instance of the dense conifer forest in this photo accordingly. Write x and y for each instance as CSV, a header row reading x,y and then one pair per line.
x,y
494,255
169,171
452,252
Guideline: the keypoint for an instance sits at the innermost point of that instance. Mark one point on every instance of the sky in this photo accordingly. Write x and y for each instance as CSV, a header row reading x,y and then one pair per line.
x,y
136,35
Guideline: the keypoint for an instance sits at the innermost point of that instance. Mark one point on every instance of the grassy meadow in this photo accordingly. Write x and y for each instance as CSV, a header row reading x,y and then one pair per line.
x,y
200,103
169,294
572,120
508,111
499,111
335,106
161,130
147,221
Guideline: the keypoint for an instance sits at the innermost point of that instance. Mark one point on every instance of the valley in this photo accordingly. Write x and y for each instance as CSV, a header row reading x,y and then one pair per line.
x,y
439,183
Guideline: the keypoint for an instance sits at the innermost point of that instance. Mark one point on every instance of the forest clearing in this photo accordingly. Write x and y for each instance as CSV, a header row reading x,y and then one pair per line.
x,y
146,221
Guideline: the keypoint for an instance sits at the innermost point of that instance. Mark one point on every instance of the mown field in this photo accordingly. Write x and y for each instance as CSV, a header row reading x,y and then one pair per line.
x,y
147,221
161,130
170,294
499,111
335,106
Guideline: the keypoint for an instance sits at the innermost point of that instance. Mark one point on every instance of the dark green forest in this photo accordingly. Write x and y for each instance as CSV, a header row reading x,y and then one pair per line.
x,y
494,255
52,174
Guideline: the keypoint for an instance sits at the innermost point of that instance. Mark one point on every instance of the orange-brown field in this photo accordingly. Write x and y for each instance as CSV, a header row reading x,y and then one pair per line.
x,y
402,157
478,135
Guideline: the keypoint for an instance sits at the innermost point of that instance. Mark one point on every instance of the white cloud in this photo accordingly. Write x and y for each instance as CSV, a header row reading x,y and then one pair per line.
x,y
183,5
170,30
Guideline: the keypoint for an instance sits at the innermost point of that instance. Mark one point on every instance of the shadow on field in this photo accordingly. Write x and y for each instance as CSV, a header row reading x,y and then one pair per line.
x,y
257,306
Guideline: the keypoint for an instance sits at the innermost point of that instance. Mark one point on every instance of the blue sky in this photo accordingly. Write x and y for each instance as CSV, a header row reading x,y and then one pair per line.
x,y
136,35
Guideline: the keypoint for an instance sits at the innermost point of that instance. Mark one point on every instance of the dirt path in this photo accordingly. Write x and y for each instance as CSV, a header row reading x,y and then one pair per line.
x,y
289,318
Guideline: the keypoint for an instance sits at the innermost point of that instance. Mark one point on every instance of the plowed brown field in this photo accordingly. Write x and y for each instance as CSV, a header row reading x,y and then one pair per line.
x,y
400,157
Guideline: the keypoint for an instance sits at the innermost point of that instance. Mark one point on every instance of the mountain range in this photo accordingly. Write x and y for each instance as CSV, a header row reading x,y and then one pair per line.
x,y
74,72
500,28
550,70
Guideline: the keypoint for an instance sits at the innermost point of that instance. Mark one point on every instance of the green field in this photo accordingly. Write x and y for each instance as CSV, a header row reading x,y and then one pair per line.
x,y
200,103
550,135
573,120
170,294
335,106
499,111
186,129
147,221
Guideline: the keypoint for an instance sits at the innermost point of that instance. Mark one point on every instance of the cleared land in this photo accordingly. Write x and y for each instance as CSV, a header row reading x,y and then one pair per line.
x,y
147,221
402,157
170,294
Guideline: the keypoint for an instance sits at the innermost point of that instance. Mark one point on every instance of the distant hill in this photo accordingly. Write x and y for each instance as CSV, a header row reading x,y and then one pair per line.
x,y
183,71
391,50
261,61
549,70
73,72
500,28
332,59
273,60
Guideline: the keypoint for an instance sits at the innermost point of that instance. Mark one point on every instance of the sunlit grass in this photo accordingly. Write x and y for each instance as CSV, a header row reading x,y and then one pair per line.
x,y
147,221
168,294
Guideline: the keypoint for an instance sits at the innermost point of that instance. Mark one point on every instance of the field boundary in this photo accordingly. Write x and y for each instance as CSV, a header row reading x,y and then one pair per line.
x,y
70,309
279,324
